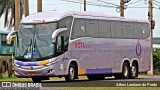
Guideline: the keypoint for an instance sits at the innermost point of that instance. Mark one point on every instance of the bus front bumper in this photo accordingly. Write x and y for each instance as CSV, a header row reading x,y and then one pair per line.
x,y
29,71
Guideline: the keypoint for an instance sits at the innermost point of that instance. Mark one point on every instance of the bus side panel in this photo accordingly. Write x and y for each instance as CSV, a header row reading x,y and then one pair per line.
x,y
81,51
122,50
62,65
97,59
85,61
108,59
141,61
146,50
97,54
148,54
147,60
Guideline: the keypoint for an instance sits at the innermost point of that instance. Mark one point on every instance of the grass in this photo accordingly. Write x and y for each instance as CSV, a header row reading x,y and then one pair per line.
x,y
13,78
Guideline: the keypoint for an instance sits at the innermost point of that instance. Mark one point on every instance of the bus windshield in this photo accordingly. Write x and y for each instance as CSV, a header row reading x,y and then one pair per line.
x,y
34,41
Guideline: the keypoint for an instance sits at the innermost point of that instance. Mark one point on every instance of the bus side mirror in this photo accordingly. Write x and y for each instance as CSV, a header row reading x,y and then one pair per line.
x,y
11,36
56,32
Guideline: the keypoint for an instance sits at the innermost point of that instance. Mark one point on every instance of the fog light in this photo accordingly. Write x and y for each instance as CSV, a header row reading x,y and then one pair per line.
x,y
50,71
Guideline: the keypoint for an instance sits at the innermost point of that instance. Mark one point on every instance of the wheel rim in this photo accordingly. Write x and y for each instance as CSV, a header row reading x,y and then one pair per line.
x,y
133,69
125,71
71,73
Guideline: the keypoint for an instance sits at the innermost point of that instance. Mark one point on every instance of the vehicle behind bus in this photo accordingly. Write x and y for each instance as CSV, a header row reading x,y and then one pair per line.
x,y
5,54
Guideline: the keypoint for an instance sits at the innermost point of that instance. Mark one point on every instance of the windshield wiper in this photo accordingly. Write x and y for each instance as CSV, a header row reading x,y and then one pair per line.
x,y
27,48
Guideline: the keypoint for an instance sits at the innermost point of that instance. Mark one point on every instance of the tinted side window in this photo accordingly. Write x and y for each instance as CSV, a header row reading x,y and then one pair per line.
x,y
66,23
79,29
116,29
127,30
146,30
104,29
92,28
138,32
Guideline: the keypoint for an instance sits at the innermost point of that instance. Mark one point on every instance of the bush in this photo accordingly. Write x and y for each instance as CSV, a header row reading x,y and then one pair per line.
x,y
156,61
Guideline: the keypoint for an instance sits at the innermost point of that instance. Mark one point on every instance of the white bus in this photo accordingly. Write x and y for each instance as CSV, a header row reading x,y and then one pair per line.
x,y
69,44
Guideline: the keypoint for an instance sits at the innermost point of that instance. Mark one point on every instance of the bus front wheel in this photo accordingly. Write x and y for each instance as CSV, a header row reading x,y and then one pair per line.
x,y
71,73
36,79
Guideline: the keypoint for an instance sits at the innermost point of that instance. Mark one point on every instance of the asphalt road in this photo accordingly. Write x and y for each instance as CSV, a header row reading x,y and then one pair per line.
x,y
141,81
108,82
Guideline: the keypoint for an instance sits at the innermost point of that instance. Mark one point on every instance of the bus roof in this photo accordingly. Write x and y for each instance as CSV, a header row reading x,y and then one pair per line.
x,y
57,15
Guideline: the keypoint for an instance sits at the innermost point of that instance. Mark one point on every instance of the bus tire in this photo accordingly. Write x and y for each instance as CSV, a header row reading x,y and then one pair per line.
x,y
36,79
71,73
125,71
133,71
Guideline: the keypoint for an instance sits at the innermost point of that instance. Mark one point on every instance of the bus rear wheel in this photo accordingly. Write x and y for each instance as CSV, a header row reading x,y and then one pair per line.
x,y
71,73
133,71
125,72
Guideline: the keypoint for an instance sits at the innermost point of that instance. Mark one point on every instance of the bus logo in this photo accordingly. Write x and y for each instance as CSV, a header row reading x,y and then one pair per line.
x,y
138,49
80,45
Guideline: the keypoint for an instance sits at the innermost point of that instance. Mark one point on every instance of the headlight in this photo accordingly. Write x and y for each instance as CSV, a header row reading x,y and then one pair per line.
x,y
16,65
53,62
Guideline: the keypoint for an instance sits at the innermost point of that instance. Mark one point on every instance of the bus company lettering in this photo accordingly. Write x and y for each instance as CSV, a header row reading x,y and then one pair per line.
x,y
79,44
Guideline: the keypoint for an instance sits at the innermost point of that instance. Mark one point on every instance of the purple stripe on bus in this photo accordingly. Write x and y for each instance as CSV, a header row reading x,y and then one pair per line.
x,y
27,63
99,71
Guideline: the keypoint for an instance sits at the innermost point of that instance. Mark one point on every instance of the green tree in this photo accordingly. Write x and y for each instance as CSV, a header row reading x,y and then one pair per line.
x,y
156,61
7,7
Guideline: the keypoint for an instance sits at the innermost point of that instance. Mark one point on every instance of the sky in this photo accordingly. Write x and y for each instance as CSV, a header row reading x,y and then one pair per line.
x,y
134,13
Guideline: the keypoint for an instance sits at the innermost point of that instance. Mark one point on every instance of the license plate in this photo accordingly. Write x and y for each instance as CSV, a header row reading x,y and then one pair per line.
x,y
31,74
